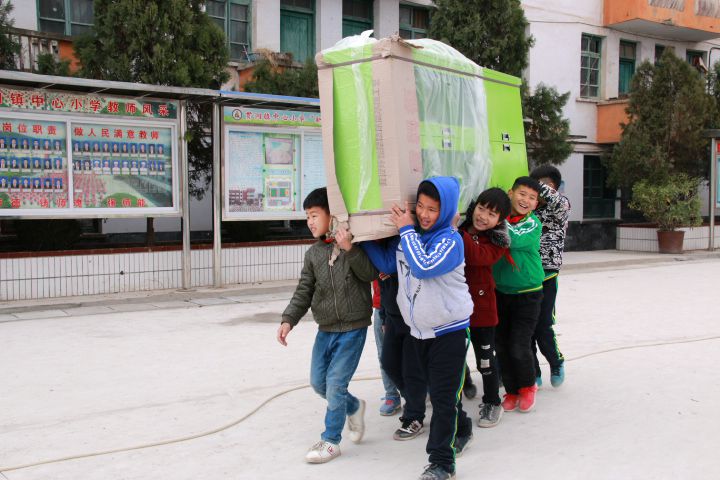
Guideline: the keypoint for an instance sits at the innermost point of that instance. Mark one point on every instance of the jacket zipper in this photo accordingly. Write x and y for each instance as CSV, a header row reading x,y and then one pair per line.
x,y
332,283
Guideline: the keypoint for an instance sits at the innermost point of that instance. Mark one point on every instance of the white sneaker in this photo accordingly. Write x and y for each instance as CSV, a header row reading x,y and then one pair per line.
x,y
322,452
356,423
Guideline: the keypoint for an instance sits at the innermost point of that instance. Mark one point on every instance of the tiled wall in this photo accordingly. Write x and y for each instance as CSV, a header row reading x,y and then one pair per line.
x,y
645,239
62,276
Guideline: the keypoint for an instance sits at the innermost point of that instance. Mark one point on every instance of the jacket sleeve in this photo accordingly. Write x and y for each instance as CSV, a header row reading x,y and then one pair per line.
x,y
557,204
442,257
529,239
302,298
384,257
361,265
479,255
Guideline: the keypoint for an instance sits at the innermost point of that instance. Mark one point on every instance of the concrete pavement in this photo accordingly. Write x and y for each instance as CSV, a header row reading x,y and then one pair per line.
x,y
187,386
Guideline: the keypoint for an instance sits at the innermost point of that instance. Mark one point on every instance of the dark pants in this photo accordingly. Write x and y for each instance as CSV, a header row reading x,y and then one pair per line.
x,y
400,363
518,315
442,359
483,342
544,337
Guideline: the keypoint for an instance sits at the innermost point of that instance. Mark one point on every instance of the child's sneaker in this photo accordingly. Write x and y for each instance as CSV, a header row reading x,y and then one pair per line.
x,y
527,398
489,415
510,402
409,430
557,376
390,406
462,443
436,472
356,423
322,452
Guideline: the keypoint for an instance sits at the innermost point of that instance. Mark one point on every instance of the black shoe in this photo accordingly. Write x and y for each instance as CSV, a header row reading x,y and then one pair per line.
x,y
470,390
409,430
436,472
462,443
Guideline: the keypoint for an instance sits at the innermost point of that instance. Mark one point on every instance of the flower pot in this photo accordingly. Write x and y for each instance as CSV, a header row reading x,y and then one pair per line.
x,y
670,241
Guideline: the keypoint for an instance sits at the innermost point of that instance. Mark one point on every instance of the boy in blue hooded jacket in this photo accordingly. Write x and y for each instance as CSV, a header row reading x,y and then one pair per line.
x,y
435,303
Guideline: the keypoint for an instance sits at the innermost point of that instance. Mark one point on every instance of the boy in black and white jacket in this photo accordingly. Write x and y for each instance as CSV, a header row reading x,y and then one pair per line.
x,y
553,211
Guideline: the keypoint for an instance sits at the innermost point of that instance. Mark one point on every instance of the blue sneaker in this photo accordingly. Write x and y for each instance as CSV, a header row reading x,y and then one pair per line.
x,y
390,406
557,376
538,381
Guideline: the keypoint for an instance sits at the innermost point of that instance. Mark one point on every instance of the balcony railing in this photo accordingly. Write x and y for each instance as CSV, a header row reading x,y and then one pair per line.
x,y
33,44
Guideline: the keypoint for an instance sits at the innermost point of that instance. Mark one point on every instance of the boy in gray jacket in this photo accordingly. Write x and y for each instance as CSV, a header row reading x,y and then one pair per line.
x,y
338,293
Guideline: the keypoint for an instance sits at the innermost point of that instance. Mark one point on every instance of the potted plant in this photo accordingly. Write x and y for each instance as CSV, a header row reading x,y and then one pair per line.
x,y
671,204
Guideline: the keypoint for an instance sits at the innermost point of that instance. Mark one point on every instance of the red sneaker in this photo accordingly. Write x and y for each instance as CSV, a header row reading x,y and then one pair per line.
x,y
527,398
510,402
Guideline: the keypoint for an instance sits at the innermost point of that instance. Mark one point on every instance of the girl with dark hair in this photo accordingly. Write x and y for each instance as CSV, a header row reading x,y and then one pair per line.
x,y
486,240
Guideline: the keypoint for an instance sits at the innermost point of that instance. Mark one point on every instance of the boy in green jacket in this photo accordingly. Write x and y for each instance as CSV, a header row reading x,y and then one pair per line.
x,y
518,285
335,285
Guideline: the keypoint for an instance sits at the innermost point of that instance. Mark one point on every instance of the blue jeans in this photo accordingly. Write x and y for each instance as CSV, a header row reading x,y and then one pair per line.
x,y
335,358
391,390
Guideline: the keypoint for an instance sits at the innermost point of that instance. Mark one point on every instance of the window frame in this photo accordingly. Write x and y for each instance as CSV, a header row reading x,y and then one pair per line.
x,y
313,24
413,30
605,203
352,19
226,27
626,60
596,55
66,21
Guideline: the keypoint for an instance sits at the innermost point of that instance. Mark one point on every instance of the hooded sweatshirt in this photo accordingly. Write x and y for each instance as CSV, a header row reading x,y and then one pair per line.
x,y
432,294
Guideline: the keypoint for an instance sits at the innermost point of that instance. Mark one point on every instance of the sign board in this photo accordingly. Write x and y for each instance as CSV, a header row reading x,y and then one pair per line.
x,y
272,160
75,155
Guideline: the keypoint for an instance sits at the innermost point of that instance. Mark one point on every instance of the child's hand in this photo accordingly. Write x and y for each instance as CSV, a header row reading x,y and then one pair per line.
x,y
383,276
456,220
344,239
282,333
401,218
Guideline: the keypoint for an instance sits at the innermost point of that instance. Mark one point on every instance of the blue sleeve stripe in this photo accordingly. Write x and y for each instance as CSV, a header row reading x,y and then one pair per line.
x,y
423,260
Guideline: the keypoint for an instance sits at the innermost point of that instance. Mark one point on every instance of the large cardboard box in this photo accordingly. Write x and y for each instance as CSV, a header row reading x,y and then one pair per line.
x,y
396,112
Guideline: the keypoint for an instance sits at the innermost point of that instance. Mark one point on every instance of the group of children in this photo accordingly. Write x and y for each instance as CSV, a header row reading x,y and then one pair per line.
x,y
491,282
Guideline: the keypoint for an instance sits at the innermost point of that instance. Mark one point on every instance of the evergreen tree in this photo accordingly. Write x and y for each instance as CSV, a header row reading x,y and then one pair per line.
x,y
547,133
668,111
9,46
164,42
294,82
491,33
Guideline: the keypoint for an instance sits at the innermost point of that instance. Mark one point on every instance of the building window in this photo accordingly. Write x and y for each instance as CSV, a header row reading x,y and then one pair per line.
x,y
590,66
628,52
697,60
233,16
598,199
66,17
297,28
659,50
357,17
414,22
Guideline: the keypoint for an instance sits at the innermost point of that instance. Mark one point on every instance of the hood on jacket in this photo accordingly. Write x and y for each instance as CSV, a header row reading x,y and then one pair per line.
x,y
449,190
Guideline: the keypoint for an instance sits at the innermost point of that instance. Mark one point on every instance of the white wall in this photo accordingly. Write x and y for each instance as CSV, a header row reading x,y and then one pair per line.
x,y
266,25
25,14
328,23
